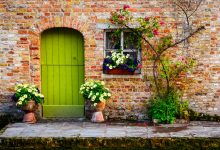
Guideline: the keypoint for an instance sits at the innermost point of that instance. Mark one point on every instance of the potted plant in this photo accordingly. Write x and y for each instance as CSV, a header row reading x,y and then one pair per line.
x,y
27,98
97,94
121,64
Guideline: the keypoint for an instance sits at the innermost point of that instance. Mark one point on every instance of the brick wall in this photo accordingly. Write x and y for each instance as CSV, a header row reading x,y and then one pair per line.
x,y
22,21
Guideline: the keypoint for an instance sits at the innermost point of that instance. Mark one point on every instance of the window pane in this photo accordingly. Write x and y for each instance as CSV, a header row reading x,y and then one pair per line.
x,y
112,41
133,55
130,41
107,53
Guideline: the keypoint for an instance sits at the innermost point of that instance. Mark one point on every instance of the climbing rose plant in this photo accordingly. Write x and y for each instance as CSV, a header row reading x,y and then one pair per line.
x,y
169,72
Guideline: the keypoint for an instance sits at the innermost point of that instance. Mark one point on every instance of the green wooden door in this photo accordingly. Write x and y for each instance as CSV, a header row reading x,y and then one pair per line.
x,y
62,72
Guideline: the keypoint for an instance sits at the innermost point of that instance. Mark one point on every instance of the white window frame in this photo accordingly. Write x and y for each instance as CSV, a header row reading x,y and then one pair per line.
x,y
122,44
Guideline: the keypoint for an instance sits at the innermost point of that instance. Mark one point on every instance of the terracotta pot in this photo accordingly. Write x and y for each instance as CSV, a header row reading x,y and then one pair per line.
x,y
100,106
29,109
30,106
98,115
119,71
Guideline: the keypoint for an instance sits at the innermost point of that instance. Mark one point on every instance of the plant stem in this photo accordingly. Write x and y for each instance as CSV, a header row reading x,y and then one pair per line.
x,y
182,40
166,76
155,78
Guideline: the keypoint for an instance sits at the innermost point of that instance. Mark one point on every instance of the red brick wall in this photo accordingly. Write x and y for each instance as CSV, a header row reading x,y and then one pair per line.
x,y
21,24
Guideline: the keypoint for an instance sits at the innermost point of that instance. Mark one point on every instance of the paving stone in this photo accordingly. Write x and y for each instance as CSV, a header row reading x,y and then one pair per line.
x,y
87,129
12,132
95,133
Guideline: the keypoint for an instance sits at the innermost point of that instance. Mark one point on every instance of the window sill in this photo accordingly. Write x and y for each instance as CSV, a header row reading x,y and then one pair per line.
x,y
111,76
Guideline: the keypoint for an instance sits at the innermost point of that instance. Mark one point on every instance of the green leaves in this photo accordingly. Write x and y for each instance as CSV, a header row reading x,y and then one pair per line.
x,y
26,92
95,91
163,43
165,108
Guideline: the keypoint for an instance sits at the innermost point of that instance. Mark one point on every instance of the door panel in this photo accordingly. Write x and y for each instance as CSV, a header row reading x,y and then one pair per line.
x,y
62,72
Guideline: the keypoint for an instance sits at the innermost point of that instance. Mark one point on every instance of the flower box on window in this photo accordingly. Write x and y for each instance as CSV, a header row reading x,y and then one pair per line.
x,y
119,71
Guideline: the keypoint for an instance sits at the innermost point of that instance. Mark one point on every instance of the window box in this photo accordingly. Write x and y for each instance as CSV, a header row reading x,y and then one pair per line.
x,y
118,71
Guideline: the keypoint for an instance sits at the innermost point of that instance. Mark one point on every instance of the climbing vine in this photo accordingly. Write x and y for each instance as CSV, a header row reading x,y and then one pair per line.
x,y
168,71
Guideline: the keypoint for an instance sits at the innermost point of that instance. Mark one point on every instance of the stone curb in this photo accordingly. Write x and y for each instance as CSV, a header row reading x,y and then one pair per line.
x,y
109,143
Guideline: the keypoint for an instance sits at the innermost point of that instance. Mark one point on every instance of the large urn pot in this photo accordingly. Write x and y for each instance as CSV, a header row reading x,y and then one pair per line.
x,y
29,109
98,115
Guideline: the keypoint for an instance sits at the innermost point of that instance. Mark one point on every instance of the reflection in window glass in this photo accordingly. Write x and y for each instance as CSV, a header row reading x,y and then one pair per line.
x,y
133,55
112,41
130,41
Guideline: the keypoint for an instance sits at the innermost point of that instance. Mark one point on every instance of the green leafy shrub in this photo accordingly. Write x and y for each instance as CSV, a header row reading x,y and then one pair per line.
x,y
184,110
165,108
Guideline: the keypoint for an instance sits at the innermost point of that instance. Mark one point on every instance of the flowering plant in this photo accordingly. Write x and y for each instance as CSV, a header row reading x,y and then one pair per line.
x,y
95,91
27,92
120,60
169,76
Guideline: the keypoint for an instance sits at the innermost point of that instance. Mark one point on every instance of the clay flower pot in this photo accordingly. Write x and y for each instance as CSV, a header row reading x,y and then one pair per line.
x,y
98,115
100,106
29,109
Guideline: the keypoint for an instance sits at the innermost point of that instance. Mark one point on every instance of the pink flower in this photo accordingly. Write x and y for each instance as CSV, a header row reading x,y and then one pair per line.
x,y
120,16
155,32
162,23
147,18
126,7
139,66
181,58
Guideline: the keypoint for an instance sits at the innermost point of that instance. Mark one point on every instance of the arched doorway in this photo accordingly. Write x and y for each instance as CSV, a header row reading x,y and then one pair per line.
x,y
62,72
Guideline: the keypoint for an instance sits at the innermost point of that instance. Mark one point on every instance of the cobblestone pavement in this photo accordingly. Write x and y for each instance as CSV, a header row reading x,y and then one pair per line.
x,y
88,129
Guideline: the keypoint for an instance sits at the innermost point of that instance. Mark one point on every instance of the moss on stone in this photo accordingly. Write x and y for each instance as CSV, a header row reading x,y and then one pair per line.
x,y
110,143
197,116
4,119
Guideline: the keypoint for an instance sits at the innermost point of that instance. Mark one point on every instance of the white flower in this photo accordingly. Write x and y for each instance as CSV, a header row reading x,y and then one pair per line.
x,y
93,97
90,94
109,94
25,85
97,94
42,96
95,104
21,99
101,99
102,83
19,103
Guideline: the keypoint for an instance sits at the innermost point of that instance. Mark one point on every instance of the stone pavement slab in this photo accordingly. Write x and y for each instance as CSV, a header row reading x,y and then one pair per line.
x,y
88,129
87,135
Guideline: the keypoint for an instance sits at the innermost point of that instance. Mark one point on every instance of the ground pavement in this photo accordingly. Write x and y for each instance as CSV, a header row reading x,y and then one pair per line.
x,y
100,133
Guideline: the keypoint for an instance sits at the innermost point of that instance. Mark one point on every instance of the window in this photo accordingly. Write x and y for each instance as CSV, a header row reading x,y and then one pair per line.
x,y
124,40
